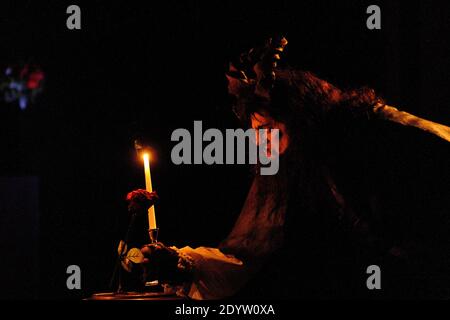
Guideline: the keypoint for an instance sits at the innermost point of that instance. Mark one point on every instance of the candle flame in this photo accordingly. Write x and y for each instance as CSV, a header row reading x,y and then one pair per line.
x,y
146,156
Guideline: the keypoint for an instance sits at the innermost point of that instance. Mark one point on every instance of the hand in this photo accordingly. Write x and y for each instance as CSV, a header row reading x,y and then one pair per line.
x,y
140,200
158,256
166,263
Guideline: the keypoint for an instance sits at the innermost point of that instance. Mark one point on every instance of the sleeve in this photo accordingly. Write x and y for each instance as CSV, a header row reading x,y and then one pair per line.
x,y
215,275
323,100
328,104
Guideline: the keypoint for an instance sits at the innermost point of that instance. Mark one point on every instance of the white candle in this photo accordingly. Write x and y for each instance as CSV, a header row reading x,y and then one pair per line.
x,y
148,187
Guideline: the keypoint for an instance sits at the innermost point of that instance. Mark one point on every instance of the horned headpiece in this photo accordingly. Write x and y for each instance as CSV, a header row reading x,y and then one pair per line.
x,y
254,71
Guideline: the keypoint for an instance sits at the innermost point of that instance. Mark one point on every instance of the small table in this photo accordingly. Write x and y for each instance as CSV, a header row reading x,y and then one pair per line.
x,y
156,296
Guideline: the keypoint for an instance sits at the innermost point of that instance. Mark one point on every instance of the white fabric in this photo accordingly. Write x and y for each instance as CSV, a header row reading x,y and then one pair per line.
x,y
216,275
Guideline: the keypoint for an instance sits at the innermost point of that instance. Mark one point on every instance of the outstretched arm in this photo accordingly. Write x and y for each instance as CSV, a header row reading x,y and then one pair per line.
x,y
326,101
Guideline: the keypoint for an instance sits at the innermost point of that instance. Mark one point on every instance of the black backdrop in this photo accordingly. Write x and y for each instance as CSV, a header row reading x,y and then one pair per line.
x,y
135,70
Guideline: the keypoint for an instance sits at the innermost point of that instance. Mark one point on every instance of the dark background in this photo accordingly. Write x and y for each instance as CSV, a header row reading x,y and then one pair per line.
x,y
137,70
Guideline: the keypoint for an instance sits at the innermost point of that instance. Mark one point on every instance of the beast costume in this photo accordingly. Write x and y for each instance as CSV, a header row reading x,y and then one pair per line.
x,y
360,184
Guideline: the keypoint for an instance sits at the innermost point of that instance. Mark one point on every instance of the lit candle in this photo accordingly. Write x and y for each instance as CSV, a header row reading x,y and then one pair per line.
x,y
148,187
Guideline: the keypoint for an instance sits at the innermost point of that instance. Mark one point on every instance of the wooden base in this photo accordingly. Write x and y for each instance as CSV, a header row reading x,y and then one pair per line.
x,y
134,296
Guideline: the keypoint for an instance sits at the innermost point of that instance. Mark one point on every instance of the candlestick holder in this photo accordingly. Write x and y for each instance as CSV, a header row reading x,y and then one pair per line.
x,y
153,234
153,285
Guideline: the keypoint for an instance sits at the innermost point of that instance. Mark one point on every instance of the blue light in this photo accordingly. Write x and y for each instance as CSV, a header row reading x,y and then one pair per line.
x,y
23,101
